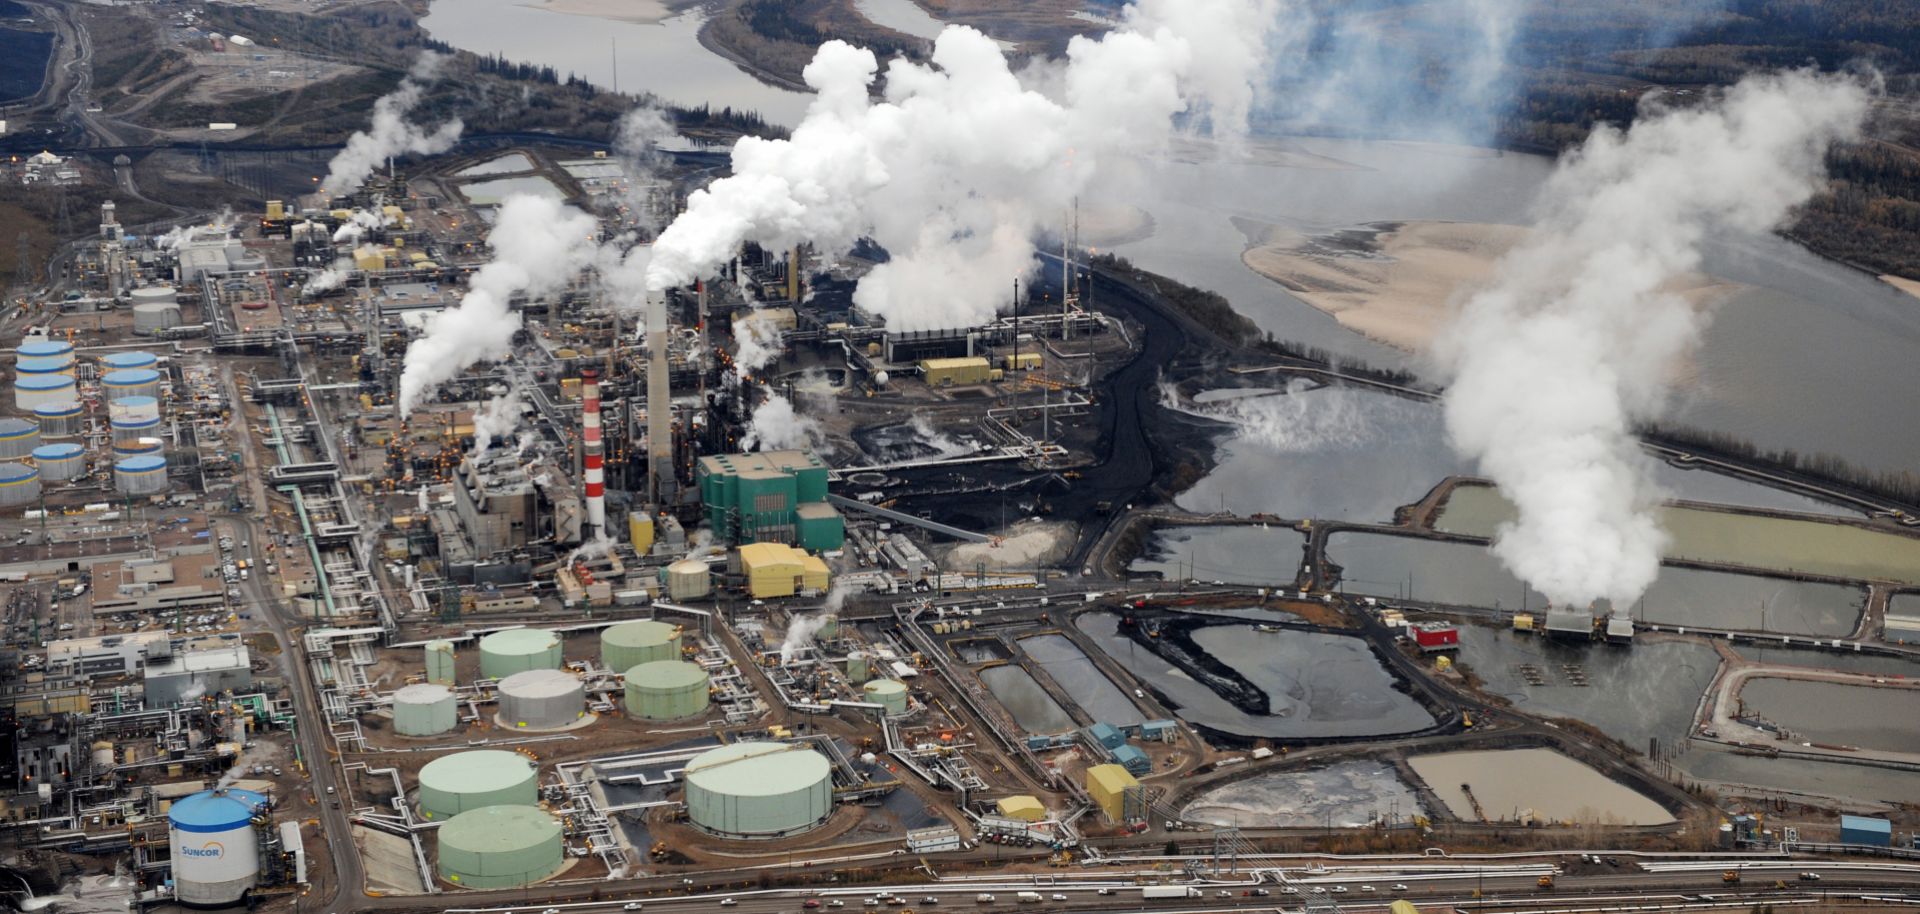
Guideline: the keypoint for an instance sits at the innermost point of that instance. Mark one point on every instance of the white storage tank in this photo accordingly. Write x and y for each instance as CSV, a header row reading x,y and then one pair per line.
x,y
541,700
32,391
888,693
60,420
440,662
759,790
18,437
131,382
60,462
128,361
424,709
153,295
138,447
19,485
154,318
503,654
142,475
44,357
689,579
211,838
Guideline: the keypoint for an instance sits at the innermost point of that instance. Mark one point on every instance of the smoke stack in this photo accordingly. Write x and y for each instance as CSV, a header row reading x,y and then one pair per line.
x,y
793,275
659,404
593,458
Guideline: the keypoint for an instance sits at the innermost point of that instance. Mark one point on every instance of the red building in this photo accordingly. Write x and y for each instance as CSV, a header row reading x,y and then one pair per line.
x,y
1435,636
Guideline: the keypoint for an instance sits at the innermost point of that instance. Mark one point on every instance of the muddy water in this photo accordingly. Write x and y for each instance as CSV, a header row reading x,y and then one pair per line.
x,y
1236,555
1317,685
1508,782
1463,574
1345,795
1635,694
1032,708
1838,714
1780,544
1068,665
1831,779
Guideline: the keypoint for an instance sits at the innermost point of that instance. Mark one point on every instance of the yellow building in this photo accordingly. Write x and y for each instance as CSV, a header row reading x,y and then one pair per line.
x,y
952,372
640,531
1402,906
1024,808
1023,361
1110,786
779,570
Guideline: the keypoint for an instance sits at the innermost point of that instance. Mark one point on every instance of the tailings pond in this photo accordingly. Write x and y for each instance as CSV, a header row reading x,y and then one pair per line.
x,y
1634,694
1777,543
1509,782
1235,555
1316,685
1464,574
1069,666
1834,779
1344,795
1836,713
1033,709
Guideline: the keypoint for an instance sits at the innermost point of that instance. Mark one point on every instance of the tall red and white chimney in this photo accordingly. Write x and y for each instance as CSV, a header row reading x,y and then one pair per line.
x,y
593,459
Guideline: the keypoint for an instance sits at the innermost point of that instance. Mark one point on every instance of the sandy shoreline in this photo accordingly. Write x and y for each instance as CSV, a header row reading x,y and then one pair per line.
x,y
1397,282
642,12
1909,286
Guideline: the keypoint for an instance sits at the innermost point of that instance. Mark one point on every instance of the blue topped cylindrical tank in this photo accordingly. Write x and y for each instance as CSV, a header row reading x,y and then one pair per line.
x,y
58,420
60,462
44,357
216,854
131,382
18,437
142,475
32,391
122,361
19,484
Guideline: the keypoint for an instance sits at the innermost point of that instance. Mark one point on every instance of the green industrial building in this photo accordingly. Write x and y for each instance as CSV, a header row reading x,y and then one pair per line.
x,y
771,497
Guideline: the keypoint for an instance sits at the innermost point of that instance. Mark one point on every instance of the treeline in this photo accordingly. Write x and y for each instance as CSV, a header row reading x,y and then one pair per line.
x,y
786,20
1209,309
1902,486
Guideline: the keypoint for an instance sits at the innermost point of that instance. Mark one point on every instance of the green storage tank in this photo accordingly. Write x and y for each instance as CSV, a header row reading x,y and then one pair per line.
x,y
629,644
453,784
666,690
517,650
500,847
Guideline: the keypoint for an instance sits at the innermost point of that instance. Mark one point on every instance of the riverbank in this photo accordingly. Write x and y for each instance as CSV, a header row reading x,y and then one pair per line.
x,y
642,12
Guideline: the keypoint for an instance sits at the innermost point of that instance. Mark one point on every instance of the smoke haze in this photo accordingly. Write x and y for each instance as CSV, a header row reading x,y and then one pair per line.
x,y
1554,363
390,133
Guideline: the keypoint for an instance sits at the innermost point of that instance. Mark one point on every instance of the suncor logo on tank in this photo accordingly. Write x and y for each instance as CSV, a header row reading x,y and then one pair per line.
x,y
210,849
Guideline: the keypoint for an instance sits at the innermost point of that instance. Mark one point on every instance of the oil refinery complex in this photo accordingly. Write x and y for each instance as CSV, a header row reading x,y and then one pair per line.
x,y
623,615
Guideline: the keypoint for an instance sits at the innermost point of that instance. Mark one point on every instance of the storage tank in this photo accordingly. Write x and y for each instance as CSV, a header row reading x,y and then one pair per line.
x,y
857,667
133,410
128,361
453,784
19,485
60,420
103,754
666,690
689,579
158,317
152,295
541,700
888,693
759,790
424,709
440,662
142,475
32,391
515,650
629,644
131,382
44,357
499,847
18,437
216,856
60,462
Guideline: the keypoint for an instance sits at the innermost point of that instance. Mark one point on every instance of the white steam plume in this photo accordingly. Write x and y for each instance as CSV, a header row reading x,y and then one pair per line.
x,y
326,280
390,133
776,427
960,164
496,420
757,343
1557,359
801,632
538,244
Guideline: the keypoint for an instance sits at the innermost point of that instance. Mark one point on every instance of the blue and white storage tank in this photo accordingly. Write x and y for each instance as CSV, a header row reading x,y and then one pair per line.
x,y
60,420
44,357
142,475
128,361
131,382
18,437
32,391
135,447
19,485
60,462
216,852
